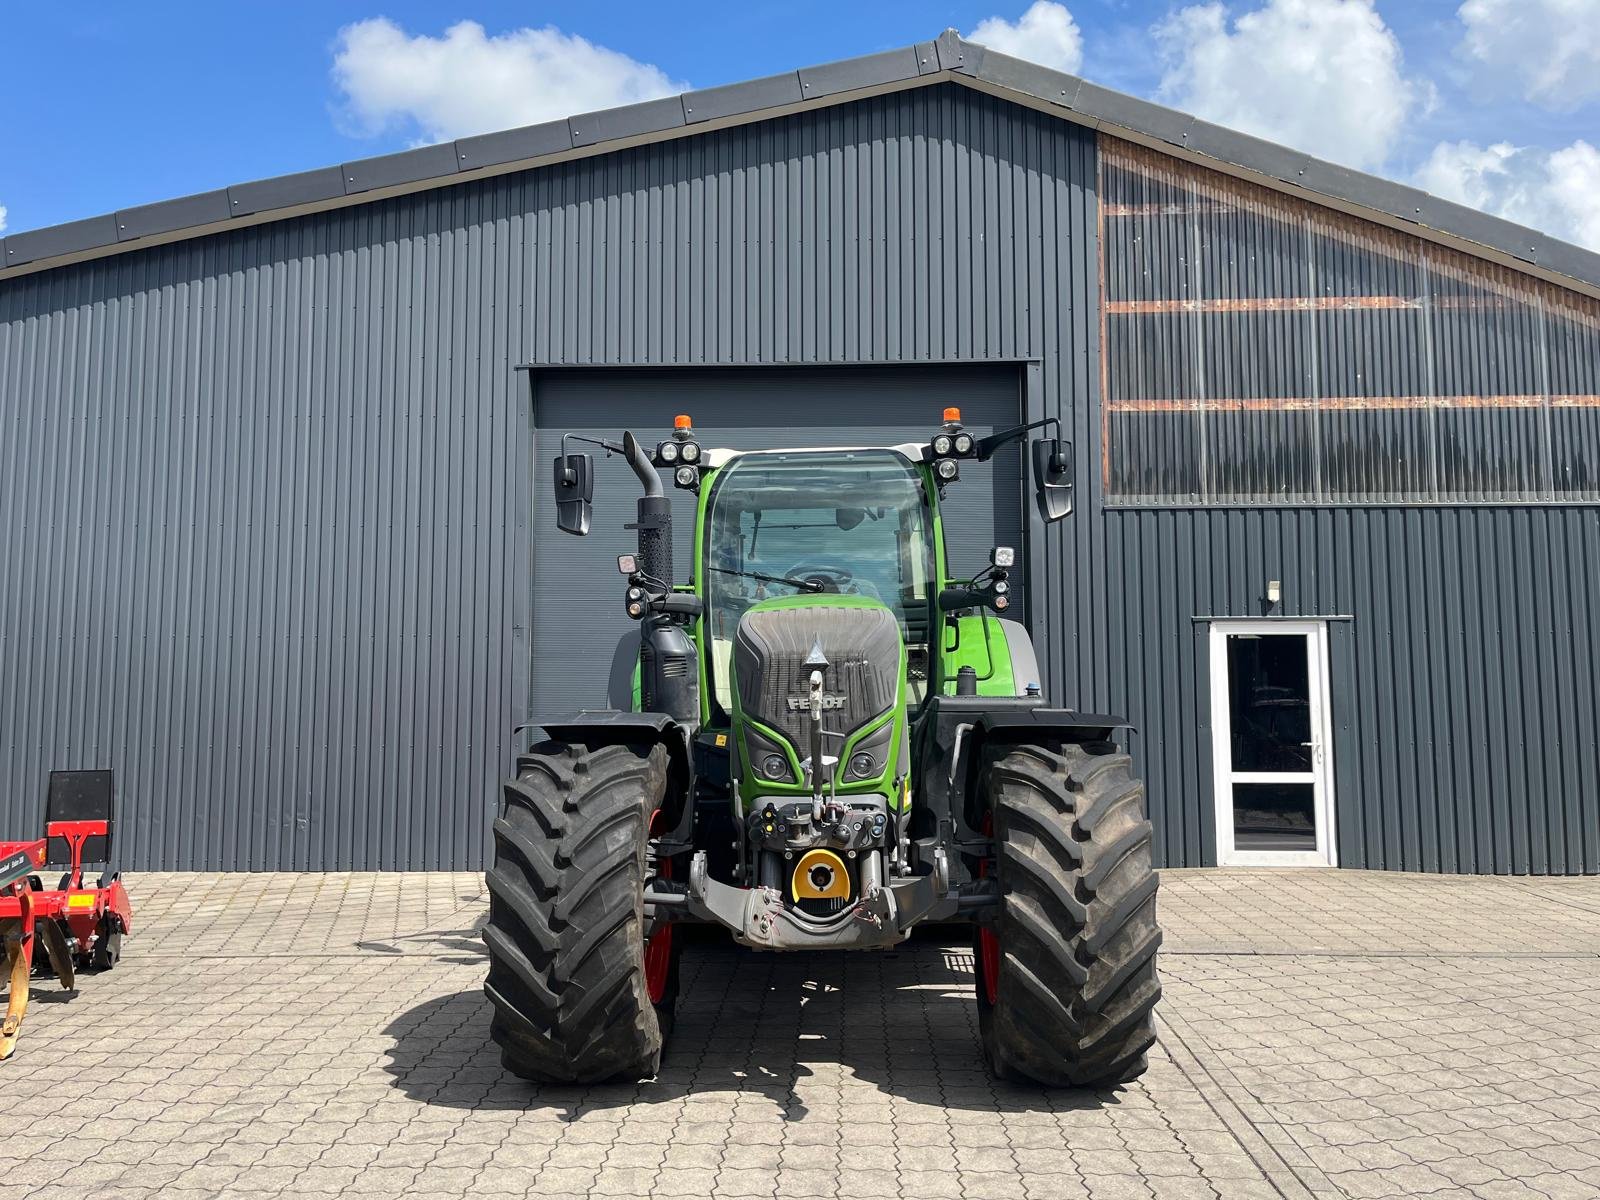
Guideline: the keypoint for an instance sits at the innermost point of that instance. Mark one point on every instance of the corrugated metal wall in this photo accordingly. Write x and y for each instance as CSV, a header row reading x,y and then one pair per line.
x,y
258,544
1263,354
1465,700
261,550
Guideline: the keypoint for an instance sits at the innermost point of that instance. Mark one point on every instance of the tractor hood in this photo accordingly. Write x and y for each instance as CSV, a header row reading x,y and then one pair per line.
x,y
863,692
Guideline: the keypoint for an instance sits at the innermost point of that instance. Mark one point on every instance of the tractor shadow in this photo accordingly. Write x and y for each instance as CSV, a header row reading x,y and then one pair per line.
x,y
454,947
776,1026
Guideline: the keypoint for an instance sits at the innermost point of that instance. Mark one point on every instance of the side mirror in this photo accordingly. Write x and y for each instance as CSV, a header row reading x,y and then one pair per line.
x,y
574,492
1052,477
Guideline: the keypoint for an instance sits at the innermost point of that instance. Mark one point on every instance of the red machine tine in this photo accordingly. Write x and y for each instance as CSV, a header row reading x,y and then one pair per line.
x,y
17,861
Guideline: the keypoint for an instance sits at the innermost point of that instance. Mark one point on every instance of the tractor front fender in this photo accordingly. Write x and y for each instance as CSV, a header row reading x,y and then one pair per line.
x,y
952,732
1028,723
614,727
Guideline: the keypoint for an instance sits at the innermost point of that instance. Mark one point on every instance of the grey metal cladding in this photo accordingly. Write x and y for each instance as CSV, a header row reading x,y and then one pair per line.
x,y
1576,261
1132,113
408,166
286,191
1412,204
736,99
631,120
513,145
1228,145
1469,223
167,216
1462,731
290,482
928,58
70,238
957,55
1029,78
1346,183
852,74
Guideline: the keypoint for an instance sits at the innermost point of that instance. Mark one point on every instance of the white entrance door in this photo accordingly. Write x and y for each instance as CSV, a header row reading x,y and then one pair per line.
x,y
1269,721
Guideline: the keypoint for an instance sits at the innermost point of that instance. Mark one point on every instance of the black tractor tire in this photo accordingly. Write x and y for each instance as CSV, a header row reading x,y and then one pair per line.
x,y
566,930
1066,974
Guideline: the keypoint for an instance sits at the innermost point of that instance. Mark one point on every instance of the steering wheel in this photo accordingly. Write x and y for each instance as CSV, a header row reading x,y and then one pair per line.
x,y
832,579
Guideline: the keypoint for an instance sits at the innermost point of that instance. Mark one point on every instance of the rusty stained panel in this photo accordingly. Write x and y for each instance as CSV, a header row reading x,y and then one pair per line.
x,y
1261,348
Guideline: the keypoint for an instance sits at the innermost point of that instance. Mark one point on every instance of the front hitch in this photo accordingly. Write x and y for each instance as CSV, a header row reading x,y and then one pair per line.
x,y
760,917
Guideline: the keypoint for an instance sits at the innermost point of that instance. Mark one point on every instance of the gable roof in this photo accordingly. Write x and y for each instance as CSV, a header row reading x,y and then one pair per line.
x,y
948,59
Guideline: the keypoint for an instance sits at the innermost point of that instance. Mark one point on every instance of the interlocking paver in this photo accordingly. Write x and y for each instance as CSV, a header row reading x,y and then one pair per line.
x,y
1324,1033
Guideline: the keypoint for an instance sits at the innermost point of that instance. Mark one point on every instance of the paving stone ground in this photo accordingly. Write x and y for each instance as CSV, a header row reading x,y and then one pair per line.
x,y
1323,1033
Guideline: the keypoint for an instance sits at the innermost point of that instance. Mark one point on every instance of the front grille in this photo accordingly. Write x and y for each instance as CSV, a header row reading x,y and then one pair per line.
x,y
863,648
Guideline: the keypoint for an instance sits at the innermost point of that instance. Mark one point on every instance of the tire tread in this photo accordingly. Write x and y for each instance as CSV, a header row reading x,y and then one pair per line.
x,y
1077,986
566,925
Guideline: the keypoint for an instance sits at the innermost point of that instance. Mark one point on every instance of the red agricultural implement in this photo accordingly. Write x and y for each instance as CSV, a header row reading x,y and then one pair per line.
x,y
75,925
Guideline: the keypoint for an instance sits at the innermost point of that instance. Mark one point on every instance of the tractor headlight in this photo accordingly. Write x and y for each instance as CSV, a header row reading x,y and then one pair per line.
x,y
1003,556
862,766
773,767
963,443
941,444
667,452
947,469
690,452
686,477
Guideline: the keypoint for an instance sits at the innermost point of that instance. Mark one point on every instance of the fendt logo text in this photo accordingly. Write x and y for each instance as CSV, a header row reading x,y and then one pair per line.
x,y
830,701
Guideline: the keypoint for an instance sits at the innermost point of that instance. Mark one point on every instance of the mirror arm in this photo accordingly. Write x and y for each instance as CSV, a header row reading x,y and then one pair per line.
x,y
630,449
987,446
608,447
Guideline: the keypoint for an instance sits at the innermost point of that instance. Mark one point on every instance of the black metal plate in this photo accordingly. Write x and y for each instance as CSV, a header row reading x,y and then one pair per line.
x,y
81,796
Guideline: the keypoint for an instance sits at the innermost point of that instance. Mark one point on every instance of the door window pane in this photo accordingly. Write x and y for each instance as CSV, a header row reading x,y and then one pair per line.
x,y
1274,816
1269,702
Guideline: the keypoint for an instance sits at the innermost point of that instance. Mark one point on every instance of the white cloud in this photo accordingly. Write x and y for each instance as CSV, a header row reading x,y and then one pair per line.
x,y
1045,34
1550,49
1324,76
2,218
1557,192
469,82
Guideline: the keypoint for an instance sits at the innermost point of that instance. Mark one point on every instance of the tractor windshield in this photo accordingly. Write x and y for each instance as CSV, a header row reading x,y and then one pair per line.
x,y
855,522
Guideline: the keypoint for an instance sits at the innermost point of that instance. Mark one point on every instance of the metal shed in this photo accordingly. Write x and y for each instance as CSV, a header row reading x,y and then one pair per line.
x,y
274,464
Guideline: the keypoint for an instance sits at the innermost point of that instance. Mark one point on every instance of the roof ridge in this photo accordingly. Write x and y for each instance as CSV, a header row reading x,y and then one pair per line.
x,y
948,58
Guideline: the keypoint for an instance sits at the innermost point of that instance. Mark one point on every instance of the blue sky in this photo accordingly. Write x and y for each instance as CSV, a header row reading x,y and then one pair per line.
x,y
1494,102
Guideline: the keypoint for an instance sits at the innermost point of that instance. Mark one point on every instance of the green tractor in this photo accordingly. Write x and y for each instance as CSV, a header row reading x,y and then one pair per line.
x,y
832,741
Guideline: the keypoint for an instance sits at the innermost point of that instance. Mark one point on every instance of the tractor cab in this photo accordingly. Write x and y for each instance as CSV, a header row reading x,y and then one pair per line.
x,y
797,523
